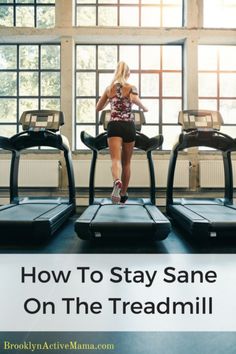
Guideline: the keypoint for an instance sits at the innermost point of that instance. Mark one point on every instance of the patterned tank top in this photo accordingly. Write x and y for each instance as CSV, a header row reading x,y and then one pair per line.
x,y
121,105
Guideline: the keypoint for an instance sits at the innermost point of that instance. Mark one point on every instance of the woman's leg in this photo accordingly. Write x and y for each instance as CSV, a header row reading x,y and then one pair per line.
x,y
115,144
127,151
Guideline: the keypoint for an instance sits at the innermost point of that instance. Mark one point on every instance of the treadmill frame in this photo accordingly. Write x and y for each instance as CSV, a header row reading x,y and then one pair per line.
x,y
40,228
201,137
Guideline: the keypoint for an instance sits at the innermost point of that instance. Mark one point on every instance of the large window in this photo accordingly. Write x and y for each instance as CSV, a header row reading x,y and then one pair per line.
x,y
27,13
144,13
29,79
219,13
217,82
155,70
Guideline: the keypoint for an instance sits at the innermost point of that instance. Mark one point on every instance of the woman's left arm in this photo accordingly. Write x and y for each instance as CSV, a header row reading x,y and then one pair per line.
x,y
102,102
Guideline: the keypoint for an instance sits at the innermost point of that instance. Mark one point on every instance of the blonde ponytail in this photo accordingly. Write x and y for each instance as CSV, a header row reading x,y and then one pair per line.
x,y
121,73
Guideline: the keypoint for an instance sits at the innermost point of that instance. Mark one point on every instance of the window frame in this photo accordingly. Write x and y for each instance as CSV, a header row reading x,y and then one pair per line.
x,y
160,124
18,70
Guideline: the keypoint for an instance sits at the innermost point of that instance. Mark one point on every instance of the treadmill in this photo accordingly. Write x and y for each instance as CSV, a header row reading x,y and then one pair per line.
x,y
35,219
203,217
137,217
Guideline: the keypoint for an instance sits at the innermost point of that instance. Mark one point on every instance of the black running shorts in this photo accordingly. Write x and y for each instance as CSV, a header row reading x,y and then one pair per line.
x,y
124,130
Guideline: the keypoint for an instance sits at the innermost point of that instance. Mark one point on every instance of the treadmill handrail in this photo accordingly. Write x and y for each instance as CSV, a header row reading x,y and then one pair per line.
x,y
94,143
28,139
5,144
211,138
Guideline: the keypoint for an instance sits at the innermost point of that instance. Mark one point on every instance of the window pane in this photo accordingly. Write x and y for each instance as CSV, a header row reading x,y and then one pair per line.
x,y
28,85
86,84
50,84
172,16
6,16
86,16
50,57
7,110
45,16
104,81
228,85
172,84
7,57
228,111
150,84
170,110
86,1
107,16
45,1
107,57
172,57
7,130
207,104
150,16
24,1
107,1
229,130
207,57
86,57
89,129
129,16
152,116
50,103
130,54
134,80
85,110
228,58
173,2
129,1
7,84
27,104
171,135
150,130
25,16
150,57
147,2
207,85
28,57
219,14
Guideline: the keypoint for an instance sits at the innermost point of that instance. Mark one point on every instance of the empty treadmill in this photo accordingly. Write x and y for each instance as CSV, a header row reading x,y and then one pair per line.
x,y
203,217
34,219
138,217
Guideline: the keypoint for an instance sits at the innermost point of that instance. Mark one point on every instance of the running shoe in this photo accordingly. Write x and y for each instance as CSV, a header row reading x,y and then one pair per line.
x,y
115,195
124,198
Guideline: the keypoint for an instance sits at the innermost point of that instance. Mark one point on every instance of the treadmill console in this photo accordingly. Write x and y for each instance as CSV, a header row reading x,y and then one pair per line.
x,y
200,120
139,119
41,120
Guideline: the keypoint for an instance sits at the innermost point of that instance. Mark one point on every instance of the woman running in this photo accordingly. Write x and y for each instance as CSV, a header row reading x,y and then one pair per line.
x,y
121,128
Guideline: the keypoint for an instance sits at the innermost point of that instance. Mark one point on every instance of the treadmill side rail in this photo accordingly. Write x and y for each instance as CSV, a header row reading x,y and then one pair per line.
x,y
162,225
82,224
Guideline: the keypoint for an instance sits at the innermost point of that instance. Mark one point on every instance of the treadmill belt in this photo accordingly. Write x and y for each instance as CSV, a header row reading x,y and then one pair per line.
x,y
135,214
214,213
25,212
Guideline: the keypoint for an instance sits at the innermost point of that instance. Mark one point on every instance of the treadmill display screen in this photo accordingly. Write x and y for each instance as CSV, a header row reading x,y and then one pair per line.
x,y
200,119
42,119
